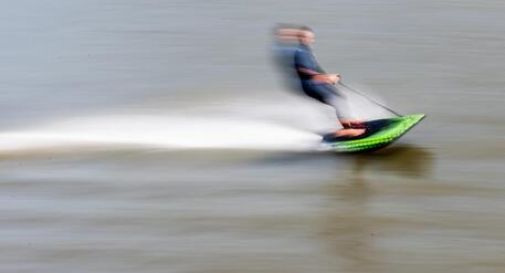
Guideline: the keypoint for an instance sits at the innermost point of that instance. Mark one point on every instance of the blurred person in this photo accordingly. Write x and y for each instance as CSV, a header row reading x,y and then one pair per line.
x,y
301,63
284,49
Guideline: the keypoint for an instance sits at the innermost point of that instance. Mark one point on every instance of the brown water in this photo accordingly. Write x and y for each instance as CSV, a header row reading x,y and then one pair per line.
x,y
155,137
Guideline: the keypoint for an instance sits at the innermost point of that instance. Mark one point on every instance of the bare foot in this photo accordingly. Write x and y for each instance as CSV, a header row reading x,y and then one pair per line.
x,y
349,132
352,124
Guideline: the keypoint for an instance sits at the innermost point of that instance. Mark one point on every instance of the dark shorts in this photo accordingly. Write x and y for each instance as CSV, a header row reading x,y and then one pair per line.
x,y
325,93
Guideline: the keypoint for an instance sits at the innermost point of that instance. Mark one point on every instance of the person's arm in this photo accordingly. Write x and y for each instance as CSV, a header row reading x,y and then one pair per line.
x,y
316,76
308,72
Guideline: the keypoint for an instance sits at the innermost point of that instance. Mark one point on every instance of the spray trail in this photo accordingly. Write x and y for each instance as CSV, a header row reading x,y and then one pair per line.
x,y
243,124
172,132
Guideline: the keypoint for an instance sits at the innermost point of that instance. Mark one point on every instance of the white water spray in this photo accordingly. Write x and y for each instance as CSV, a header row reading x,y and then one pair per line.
x,y
159,131
255,125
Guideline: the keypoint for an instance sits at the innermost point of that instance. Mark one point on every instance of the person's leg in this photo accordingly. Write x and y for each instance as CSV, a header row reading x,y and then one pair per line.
x,y
351,127
329,95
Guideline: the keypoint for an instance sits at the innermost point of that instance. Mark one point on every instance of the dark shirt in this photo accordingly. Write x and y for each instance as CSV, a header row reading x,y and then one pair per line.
x,y
304,58
284,57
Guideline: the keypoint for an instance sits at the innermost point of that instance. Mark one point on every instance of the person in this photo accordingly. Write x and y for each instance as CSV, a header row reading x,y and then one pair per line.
x,y
320,85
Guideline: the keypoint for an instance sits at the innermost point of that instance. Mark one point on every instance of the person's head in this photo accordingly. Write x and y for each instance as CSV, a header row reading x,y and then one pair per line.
x,y
286,32
306,35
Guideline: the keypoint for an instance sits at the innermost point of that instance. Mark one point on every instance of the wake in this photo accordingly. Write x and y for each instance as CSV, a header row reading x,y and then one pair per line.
x,y
157,131
241,124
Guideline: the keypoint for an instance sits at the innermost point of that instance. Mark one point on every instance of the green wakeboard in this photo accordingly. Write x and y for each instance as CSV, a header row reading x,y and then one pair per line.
x,y
379,133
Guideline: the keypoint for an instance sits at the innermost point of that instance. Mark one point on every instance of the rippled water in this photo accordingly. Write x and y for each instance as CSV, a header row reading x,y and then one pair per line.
x,y
156,136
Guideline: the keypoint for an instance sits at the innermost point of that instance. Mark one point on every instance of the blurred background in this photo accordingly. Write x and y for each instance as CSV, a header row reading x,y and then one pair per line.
x,y
157,136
